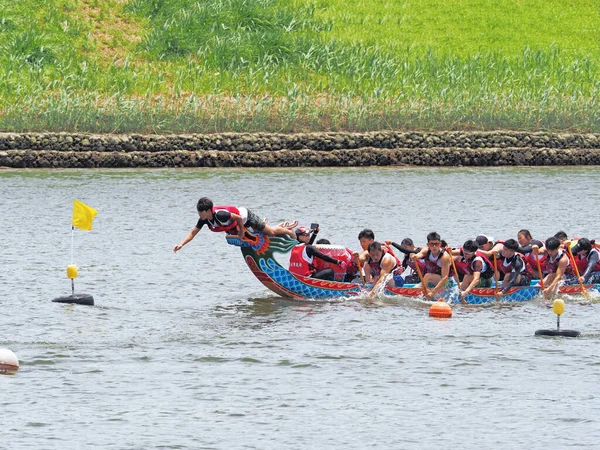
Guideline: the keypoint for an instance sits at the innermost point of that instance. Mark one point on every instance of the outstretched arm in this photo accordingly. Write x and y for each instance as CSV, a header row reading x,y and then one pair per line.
x,y
240,224
314,236
445,272
513,275
495,249
590,267
311,251
418,255
478,267
386,268
399,247
187,239
560,272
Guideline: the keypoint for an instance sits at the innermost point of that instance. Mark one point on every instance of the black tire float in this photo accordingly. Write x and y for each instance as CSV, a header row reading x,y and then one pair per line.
x,y
77,299
566,333
558,307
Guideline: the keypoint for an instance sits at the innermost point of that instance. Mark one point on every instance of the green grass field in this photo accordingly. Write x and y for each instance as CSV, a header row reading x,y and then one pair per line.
x,y
270,65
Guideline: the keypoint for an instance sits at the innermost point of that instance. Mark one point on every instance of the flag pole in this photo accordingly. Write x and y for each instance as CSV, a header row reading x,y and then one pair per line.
x,y
72,279
72,234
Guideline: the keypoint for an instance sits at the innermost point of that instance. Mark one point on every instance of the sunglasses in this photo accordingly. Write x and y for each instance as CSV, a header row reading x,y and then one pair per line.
x,y
434,244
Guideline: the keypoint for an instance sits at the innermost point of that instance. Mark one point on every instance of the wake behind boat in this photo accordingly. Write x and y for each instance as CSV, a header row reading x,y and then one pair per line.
x,y
269,260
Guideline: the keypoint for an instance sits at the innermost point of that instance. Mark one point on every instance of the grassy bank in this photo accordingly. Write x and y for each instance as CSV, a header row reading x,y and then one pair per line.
x,y
268,65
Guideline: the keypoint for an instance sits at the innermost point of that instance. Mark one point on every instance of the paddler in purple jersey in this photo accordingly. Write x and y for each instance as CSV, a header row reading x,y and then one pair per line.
x,y
437,263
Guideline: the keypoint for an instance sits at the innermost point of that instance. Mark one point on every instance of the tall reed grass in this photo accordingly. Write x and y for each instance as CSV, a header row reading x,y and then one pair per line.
x,y
262,65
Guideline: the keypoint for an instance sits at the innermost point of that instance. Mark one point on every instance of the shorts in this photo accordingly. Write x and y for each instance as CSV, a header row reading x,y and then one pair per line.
x,y
398,280
524,281
254,222
484,282
412,279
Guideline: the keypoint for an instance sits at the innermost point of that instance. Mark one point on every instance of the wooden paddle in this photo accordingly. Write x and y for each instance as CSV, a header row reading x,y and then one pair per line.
x,y
539,268
495,275
422,280
462,297
360,271
576,269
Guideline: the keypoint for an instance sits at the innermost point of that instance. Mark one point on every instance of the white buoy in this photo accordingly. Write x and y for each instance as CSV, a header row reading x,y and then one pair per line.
x,y
8,361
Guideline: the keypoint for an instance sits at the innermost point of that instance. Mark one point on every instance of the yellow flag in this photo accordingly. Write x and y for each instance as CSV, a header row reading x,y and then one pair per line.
x,y
83,215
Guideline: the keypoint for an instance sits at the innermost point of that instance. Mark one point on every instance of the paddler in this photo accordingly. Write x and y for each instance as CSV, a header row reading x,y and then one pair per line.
x,y
488,245
557,264
379,265
587,259
366,237
437,263
407,246
230,219
512,267
475,268
526,242
302,258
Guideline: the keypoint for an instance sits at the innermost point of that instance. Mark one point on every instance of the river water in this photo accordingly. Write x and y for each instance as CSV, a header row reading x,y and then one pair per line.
x,y
189,350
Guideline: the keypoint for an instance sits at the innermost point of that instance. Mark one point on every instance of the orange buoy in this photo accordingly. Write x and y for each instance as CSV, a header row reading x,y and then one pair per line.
x,y
440,309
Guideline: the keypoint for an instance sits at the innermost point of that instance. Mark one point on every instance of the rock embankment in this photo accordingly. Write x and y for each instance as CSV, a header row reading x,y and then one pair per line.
x,y
497,148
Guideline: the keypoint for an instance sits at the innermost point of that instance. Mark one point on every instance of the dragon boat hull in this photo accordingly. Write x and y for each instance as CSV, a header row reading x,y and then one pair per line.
x,y
268,259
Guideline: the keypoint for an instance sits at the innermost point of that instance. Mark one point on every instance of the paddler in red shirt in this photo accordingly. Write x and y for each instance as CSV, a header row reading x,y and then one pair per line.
x,y
230,219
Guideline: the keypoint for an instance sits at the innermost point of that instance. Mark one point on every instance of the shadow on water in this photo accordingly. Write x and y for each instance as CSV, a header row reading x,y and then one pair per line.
x,y
261,312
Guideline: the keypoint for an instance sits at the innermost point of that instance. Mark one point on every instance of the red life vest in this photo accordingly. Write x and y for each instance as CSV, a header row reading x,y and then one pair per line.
x,y
435,265
465,267
506,266
300,262
375,266
409,262
531,261
582,262
386,248
217,226
552,263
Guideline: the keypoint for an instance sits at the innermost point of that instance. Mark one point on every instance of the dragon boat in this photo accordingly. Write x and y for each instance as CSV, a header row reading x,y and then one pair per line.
x,y
268,259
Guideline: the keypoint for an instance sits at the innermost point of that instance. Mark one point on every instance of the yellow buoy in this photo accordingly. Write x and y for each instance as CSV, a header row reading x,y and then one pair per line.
x,y
558,306
440,309
72,271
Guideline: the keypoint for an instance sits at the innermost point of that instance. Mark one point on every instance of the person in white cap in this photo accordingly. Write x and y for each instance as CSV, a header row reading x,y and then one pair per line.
x,y
488,245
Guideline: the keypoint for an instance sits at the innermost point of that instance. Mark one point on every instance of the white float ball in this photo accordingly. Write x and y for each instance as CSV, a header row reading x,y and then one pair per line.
x,y
8,361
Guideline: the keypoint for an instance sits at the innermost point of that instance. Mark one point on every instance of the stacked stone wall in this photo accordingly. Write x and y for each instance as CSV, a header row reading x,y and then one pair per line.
x,y
497,148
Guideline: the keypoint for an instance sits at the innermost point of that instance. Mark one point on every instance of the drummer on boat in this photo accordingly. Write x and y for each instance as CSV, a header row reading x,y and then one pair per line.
x,y
303,256
230,219
437,264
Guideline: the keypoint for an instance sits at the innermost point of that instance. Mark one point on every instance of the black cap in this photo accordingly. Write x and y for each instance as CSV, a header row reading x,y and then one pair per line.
x,y
481,240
